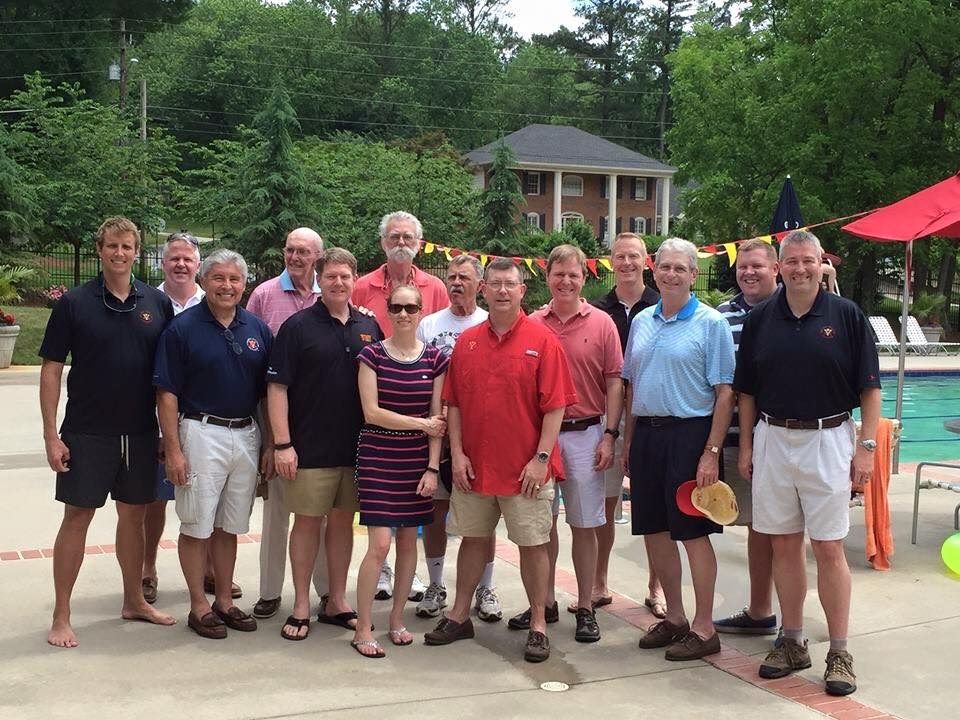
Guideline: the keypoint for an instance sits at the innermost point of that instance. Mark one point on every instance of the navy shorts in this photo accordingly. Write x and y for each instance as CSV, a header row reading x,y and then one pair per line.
x,y
163,489
125,467
661,459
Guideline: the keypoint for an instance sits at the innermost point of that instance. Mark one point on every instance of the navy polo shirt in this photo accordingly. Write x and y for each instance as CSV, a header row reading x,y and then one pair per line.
x,y
111,345
610,304
809,367
197,363
315,356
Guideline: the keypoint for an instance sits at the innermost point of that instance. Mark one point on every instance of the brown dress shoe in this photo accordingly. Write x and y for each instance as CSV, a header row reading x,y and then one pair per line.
x,y
235,618
448,631
537,648
693,647
209,626
662,634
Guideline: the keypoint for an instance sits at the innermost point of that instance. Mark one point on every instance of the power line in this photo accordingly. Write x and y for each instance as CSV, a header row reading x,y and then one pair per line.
x,y
57,32
47,74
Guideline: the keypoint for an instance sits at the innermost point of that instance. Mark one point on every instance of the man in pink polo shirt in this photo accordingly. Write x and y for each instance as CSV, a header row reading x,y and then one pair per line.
x,y
400,235
273,302
589,429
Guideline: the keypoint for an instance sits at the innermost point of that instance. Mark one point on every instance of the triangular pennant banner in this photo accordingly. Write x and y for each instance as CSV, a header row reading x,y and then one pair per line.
x,y
605,262
592,265
427,248
483,260
529,262
731,249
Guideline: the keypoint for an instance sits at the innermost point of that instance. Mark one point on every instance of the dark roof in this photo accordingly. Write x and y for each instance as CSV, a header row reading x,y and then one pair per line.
x,y
564,146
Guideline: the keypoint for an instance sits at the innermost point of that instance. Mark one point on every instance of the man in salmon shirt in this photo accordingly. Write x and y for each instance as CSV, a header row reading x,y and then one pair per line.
x,y
503,443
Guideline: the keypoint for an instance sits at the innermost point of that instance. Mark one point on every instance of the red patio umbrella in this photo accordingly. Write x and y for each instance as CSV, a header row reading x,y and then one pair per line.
x,y
932,211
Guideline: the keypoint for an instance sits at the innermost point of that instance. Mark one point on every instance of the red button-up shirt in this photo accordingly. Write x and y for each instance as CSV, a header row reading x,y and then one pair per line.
x,y
372,290
503,387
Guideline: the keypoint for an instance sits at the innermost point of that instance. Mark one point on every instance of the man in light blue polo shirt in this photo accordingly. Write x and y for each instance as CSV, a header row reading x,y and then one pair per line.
x,y
679,366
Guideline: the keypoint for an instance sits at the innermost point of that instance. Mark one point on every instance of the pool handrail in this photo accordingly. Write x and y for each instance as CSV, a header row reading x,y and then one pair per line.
x,y
927,484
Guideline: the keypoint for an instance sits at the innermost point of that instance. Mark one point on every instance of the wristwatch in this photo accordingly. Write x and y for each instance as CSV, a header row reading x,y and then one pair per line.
x,y
614,433
712,449
869,445
542,456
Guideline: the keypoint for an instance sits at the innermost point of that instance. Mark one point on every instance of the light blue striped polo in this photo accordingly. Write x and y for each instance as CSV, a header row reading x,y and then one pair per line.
x,y
673,363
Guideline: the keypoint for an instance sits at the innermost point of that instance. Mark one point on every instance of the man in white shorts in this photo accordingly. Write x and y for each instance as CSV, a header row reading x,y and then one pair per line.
x,y
806,359
210,375
441,329
589,429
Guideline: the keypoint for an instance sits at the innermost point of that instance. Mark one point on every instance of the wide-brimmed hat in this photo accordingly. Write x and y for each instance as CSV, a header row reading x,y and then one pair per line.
x,y
716,502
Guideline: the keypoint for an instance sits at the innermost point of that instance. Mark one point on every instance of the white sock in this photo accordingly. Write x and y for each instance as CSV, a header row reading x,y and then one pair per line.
x,y
435,568
487,579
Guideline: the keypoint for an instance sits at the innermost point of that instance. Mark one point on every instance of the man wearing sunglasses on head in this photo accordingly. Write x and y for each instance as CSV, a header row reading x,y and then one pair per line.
x,y
109,327
210,375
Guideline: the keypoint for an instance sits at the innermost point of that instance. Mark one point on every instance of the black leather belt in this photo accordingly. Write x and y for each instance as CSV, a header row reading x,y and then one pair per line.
x,y
222,422
577,424
821,424
658,420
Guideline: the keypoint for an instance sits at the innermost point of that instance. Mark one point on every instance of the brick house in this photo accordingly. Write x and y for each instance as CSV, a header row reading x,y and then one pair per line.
x,y
584,167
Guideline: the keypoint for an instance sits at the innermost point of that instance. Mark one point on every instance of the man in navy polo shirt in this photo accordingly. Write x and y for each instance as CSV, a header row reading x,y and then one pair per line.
x,y
109,327
806,359
316,416
210,376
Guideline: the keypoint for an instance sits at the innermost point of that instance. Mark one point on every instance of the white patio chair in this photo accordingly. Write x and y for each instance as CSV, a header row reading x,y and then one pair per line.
x,y
916,337
887,341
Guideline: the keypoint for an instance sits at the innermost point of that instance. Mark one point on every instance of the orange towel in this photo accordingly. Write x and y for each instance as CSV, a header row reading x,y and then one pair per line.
x,y
878,543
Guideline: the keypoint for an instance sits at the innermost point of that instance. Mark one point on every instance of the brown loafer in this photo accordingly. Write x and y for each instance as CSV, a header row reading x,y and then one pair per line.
x,y
693,647
662,634
448,631
537,648
266,608
210,588
149,586
236,619
209,626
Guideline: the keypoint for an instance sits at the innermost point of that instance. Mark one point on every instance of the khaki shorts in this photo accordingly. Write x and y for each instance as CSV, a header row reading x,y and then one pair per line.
x,y
528,520
316,491
742,488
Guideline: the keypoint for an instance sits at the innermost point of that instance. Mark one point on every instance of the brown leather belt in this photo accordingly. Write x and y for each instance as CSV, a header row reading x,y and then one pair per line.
x,y
658,420
578,424
222,422
821,424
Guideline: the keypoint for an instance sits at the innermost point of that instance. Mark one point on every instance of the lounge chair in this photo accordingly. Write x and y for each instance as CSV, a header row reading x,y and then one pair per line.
x,y
916,338
887,341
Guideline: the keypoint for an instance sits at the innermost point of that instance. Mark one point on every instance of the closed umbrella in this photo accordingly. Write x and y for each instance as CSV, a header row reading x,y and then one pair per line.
x,y
786,216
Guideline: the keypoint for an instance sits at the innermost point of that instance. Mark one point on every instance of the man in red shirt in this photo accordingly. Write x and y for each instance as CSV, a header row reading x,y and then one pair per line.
x,y
503,435
400,235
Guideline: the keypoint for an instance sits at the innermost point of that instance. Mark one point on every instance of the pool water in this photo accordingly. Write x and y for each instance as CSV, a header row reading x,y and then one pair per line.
x,y
928,400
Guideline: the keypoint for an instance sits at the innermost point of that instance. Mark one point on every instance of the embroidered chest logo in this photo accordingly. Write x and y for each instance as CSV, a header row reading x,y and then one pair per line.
x,y
472,345
253,344
828,332
531,353
146,316
366,338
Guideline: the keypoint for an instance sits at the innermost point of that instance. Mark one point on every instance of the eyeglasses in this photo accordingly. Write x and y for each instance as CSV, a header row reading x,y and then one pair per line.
x,y
299,252
183,237
232,342
123,305
502,284
397,237
397,308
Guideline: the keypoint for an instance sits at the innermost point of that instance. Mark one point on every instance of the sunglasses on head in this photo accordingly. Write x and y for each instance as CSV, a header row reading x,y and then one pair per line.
x,y
183,237
397,308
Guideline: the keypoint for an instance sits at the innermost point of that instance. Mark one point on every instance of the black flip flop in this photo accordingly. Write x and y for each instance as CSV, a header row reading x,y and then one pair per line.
x,y
297,623
340,620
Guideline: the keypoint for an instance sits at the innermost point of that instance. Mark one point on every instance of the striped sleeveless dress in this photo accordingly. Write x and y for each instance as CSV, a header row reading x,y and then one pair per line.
x,y
390,463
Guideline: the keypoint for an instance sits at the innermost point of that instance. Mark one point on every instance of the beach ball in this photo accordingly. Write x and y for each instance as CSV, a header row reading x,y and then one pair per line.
x,y
950,552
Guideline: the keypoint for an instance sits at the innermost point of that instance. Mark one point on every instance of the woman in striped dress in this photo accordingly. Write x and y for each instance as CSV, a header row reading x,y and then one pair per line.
x,y
398,452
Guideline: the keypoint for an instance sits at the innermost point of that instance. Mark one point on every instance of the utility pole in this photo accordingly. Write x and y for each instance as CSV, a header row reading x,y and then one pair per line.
x,y
143,109
123,62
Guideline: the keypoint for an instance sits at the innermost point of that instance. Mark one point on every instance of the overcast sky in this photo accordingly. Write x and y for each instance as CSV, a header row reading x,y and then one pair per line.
x,y
541,16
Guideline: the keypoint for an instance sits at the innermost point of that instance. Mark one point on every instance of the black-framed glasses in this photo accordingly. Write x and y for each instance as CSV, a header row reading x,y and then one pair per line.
x,y
397,308
183,237
232,342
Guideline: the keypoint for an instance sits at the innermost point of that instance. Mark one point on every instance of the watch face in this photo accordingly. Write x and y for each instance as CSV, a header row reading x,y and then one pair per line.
x,y
543,457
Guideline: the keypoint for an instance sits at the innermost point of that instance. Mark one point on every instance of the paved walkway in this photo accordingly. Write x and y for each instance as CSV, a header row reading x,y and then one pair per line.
x,y
904,633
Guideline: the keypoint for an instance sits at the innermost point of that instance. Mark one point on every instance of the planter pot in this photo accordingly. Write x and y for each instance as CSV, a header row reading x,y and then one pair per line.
x,y
932,333
8,338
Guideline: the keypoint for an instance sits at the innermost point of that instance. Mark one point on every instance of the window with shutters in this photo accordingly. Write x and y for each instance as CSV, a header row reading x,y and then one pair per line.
x,y
569,217
531,183
532,219
638,225
572,186
639,189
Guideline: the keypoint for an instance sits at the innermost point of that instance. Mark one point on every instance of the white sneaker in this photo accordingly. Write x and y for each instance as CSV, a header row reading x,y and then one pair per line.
x,y
385,583
417,589
487,604
434,600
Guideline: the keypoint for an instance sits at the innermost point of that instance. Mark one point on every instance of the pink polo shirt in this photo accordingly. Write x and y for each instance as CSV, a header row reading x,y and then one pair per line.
x,y
592,346
372,290
277,299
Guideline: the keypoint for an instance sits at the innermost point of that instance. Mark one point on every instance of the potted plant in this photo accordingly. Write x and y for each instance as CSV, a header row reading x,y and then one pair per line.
x,y
927,308
10,278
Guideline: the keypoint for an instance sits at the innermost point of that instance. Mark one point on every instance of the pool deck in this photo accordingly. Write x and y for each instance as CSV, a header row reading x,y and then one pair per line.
x,y
921,363
904,628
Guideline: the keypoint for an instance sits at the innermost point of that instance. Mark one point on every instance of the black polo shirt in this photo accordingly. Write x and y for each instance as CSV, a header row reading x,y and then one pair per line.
x,y
315,356
209,373
810,367
612,305
112,345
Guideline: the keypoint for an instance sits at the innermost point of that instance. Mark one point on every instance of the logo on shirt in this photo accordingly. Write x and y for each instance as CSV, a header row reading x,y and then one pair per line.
x,y
253,344
472,345
146,316
366,338
828,332
531,353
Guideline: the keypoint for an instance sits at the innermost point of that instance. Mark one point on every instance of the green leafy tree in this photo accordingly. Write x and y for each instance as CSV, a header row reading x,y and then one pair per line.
x,y
499,204
17,206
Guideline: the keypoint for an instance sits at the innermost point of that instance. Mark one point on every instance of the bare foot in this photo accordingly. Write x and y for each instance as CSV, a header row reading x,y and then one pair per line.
x,y
147,614
61,634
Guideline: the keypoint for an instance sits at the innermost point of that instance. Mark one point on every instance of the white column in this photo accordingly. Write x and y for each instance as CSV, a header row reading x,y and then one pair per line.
x,y
557,191
665,207
611,208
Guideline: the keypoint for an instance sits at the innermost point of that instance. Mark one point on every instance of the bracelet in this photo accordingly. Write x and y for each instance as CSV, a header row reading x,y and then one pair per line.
x,y
433,470
282,446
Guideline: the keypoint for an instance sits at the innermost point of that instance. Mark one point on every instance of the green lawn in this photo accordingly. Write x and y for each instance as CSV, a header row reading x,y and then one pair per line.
x,y
32,321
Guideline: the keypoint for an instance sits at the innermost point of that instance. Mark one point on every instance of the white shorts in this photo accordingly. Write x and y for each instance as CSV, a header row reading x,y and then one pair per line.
x,y
742,488
583,488
223,464
801,478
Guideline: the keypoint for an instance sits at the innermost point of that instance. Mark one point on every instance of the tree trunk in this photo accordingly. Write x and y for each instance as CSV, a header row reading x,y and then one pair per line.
x,y
868,283
948,271
76,262
921,276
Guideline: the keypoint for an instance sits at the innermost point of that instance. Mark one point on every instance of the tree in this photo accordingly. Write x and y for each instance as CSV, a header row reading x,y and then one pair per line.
x,y
499,204
17,206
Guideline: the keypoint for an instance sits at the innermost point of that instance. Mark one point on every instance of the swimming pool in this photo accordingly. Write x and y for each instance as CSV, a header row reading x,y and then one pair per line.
x,y
928,400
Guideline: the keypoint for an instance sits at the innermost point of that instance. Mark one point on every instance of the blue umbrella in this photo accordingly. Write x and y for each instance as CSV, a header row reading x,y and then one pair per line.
x,y
787,215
